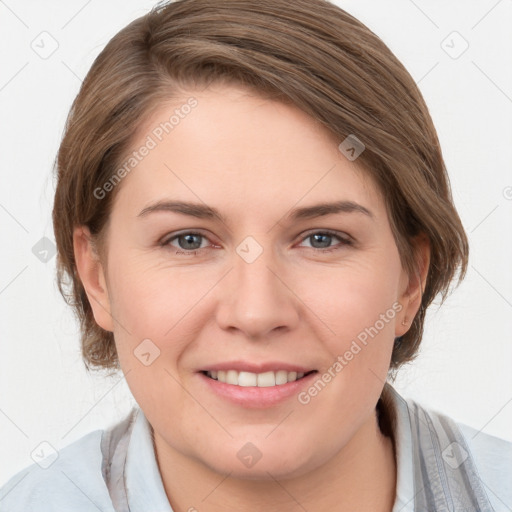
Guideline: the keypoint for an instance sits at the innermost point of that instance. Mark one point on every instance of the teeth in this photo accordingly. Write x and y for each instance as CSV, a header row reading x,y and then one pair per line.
x,y
232,377
261,380
267,379
247,379
281,377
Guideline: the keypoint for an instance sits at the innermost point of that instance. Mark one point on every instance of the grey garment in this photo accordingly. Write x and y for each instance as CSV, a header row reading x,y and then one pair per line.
x,y
446,466
441,466
131,469
114,446
444,474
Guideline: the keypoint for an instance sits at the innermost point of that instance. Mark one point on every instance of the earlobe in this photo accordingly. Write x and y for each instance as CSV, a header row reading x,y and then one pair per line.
x,y
91,274
412,296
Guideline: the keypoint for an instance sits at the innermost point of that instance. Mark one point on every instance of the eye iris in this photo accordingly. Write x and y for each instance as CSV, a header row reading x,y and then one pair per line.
x,y
324,236
190,240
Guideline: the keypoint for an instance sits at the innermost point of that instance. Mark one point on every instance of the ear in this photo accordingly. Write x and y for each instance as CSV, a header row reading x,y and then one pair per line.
x,y
90,271
414,285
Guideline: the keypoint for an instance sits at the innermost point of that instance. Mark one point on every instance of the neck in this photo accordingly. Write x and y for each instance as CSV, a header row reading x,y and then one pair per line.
x,y
362,476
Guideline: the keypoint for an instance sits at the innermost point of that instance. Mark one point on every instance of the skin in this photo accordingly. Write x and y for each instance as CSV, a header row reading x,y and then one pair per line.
x,y
254,160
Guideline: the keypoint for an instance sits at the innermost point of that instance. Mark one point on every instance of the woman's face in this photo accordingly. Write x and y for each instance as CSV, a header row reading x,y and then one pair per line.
x,y
221,259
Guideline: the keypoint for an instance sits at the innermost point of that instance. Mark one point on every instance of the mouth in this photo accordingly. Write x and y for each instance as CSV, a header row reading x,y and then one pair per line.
x,y
260,380
255,385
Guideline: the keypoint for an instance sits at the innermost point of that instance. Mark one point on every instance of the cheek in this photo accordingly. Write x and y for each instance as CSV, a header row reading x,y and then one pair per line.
x,y
352,299
158,303
148,298
360,312
150,306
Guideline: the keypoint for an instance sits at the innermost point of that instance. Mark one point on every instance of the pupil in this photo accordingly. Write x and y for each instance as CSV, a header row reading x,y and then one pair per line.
x,y
190,240
322,236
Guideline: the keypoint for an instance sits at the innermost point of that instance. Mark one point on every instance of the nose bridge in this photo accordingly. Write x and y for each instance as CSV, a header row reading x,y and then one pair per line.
x,y
258,301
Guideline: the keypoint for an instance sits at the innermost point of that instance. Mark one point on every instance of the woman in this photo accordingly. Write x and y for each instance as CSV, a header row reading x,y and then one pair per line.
x,y
254,214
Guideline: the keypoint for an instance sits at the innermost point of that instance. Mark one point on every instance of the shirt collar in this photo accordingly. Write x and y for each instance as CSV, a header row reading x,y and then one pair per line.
x,y
404,501
144,487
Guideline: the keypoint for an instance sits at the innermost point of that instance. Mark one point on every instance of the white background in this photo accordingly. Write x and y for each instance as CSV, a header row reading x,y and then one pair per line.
x,y
464,368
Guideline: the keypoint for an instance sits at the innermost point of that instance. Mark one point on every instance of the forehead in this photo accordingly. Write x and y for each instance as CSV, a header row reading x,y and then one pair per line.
x,y
225,145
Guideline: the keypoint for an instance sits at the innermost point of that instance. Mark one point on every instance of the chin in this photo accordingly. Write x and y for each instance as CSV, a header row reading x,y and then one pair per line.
x,y
250,463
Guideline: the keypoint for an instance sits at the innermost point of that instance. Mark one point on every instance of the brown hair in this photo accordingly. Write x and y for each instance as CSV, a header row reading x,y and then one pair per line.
x,y
310,53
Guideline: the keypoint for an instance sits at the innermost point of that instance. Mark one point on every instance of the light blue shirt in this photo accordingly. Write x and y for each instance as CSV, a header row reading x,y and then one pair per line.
x,y
441,466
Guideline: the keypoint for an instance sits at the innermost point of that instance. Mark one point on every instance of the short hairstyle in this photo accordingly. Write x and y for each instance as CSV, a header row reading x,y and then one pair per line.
x,y
308,53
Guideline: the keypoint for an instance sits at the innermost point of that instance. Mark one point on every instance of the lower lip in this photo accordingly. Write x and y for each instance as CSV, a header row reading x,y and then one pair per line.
x,y
254,396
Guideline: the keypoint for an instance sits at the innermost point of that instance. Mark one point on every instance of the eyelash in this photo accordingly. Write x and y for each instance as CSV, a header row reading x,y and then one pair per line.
x,y
344,239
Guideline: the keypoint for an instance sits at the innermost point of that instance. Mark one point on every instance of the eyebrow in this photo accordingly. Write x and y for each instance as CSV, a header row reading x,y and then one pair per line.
x,y
203,211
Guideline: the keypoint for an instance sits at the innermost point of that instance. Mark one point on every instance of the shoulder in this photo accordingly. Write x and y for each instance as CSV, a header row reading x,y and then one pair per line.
x,y
75,476
482,461
443,464
493,460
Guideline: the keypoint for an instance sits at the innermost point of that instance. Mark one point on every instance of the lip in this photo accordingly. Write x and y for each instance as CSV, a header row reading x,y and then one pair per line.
x,y
269,366
254,397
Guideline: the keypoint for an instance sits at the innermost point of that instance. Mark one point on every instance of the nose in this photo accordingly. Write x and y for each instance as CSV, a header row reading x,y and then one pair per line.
x,y
257,300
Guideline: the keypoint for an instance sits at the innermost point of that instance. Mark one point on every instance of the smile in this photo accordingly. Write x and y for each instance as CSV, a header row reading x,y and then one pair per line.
x,y
261,380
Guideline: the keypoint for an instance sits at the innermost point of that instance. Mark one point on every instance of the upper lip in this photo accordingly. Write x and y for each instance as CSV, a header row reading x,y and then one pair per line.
x,y
252,367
